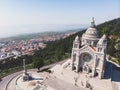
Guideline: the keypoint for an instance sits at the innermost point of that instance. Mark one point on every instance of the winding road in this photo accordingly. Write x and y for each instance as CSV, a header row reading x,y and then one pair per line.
x,y
5,81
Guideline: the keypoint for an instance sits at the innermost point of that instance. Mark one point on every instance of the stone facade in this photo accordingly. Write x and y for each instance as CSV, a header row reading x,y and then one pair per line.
x,y
88,54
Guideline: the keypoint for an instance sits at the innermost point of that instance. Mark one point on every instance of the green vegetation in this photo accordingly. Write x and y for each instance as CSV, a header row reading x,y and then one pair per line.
x,y
61,49
112,28
13,70
56,51
13,65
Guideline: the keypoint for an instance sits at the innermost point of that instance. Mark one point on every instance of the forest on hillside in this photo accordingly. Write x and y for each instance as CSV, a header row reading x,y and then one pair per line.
x,y
112,30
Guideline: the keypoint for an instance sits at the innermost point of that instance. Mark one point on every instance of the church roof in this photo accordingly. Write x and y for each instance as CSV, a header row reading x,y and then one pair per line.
x,y
77,38
102,39
93,48
88,46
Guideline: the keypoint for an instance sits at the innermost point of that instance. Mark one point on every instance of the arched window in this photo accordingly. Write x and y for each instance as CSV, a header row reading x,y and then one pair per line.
x,y
75,45
97,62
98,49
81,69
104,50
74,57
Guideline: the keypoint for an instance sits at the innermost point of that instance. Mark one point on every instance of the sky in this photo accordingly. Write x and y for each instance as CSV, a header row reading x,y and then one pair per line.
x,y
29,16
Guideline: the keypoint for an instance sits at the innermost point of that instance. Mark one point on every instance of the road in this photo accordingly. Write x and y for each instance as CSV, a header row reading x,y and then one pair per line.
x,y
6,80
12,84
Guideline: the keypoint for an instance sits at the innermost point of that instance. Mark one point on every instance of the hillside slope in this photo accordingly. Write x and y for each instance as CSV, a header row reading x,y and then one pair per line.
x,y
111,27
61,49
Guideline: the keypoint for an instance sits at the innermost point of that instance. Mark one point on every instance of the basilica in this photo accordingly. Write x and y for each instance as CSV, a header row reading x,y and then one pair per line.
x,y
89,53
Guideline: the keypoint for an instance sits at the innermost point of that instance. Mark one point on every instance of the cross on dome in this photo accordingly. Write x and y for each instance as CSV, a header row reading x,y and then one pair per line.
x,y
93,23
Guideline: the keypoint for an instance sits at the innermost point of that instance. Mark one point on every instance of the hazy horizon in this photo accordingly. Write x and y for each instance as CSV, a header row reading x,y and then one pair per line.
x,y
29,29
28,16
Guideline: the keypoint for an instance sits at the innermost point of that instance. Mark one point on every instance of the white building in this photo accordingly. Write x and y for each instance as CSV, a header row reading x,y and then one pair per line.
x,y
89,52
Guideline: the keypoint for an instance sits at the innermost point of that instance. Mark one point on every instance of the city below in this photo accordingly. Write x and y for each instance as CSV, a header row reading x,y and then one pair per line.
x,y
13,48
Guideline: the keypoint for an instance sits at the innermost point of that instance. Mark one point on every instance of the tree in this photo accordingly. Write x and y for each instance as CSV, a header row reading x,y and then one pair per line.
x,y
37,62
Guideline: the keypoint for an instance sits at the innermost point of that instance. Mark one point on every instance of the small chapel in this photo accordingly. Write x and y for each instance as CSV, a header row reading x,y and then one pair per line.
x,y
89,53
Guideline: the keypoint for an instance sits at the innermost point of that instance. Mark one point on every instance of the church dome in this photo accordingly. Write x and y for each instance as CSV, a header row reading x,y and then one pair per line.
x,y
90,37
91,32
